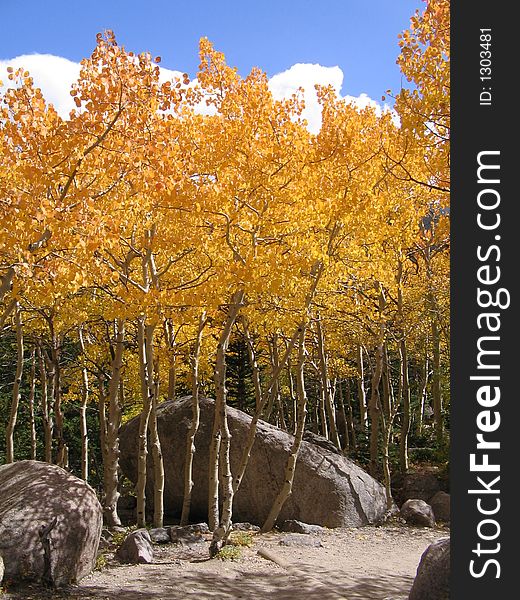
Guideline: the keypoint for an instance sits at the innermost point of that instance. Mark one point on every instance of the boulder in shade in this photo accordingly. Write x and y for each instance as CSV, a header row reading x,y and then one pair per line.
x,y
440,504
432,581
42,505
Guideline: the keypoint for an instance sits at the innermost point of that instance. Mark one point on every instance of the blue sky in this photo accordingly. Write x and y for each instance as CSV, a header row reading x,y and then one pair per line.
x,y
359,36
349,44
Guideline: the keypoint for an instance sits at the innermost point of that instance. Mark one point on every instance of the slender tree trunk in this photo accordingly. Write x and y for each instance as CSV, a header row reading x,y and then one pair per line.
x,y
32,390
143,422
45,407
405,424
155,444
362,396
11,423
61,450
436,383
195,421
85,391
102,398
423,390
221,533
111,462
322,415
286,489
375,399
390,407
326,385
169,331
294,399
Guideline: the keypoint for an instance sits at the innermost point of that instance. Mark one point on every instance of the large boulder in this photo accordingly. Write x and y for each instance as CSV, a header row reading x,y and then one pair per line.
x,y
50,523
328,489
432,581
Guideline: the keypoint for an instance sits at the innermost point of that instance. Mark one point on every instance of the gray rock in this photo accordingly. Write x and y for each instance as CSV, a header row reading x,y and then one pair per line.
x,y
319,440
300,540
137,548
440,504
294,526
185,536
197,528
432,581
328,489
244,527
418,512
36,495
422,486
1,569
160,535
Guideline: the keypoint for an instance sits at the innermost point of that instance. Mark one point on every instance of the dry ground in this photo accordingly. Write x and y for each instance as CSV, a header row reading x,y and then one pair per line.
x,y
368,563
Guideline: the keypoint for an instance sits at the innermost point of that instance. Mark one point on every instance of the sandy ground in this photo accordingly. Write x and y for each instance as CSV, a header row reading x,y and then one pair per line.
x,y
368,563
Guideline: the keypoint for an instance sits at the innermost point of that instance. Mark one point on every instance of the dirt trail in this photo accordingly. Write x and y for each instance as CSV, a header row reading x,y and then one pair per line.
x,y
368,563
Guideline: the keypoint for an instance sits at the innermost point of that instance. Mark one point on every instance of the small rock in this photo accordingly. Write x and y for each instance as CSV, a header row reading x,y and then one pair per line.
x,y
432,581
160,535
296,540
183,535
244,527
1,569
197,528
418,512
137,548
294,526
440,504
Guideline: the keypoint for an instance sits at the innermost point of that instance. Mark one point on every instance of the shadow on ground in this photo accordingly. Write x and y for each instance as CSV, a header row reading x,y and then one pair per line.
x,y
163,585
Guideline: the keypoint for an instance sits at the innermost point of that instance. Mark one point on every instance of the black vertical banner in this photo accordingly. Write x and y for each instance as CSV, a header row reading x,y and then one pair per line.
x,y
484,322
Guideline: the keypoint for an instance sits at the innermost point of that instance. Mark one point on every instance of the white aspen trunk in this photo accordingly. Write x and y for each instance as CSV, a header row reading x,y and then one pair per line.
x,y
286,488
424,390
44,404
143,423
221,533
362,396
111,462
85,391
155,443
11,423
102,397
61,451
294,399
32,390
347,444
326,386
375,400
195,421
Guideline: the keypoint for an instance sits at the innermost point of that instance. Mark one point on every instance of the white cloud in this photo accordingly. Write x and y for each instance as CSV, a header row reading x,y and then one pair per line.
x,y
55,75
283,85
306,75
